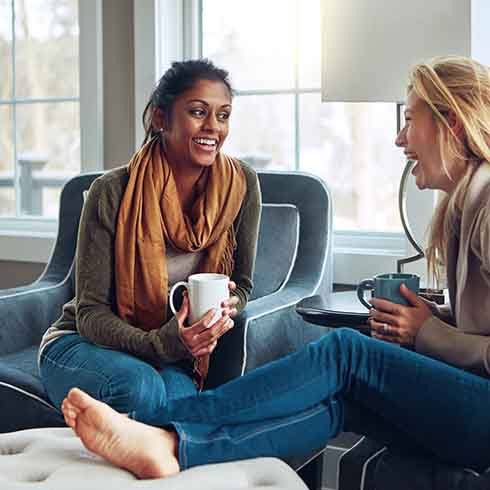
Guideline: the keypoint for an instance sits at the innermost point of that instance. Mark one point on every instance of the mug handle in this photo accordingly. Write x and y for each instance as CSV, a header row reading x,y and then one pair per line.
x,y
366,284
171,294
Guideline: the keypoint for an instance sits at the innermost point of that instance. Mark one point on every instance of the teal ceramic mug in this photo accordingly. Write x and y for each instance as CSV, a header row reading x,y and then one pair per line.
x,y
387,286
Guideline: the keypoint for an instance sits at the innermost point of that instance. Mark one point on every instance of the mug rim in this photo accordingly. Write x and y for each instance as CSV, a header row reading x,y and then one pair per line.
x,y
399,275
207,276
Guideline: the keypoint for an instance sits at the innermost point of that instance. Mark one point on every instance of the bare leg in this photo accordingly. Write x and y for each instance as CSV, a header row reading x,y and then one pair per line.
x,y
145,451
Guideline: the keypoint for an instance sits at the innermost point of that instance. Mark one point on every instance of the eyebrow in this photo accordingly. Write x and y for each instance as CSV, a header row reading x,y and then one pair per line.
x,y
205,103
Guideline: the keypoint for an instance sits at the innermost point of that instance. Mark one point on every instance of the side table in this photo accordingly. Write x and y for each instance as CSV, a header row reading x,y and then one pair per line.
x,y
342,309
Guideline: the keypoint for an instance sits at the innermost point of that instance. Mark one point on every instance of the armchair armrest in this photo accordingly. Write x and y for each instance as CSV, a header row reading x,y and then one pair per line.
x,y
265,330
26,313
279,300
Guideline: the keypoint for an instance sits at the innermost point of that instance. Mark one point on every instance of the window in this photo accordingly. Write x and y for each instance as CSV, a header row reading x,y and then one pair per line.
x,y
39,105
272,51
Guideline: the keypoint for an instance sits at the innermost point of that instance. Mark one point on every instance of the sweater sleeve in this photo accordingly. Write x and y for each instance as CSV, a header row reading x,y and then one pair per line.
x,y
444,312
451,345
247,231
95,292
457,346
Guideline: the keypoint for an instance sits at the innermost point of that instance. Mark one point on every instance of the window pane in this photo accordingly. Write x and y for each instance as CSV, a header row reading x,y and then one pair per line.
x,y
7,192
309,44
253,40
5,49
262,131
50,200
48,150
46,33
351,146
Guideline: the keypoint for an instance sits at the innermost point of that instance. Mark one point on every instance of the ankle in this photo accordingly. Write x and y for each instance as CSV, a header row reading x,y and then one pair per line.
x,y
174,441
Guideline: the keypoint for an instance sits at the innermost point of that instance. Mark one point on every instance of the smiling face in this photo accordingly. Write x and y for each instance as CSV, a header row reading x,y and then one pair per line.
x,y
420,140
198,124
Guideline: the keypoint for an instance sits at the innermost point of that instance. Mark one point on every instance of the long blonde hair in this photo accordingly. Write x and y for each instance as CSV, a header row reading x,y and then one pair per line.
x,y
461,86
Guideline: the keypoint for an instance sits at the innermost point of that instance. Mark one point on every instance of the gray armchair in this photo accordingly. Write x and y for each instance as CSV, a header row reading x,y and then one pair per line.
x,y
294,257
293,261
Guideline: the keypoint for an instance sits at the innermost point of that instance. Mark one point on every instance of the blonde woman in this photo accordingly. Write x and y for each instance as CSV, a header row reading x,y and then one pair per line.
x,y
426,397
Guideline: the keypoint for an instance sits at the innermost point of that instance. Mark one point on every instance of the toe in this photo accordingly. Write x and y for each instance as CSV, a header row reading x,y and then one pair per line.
x,y
79,399
70,419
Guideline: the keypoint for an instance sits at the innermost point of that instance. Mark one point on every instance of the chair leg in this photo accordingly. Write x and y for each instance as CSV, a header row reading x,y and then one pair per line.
x,y
311,473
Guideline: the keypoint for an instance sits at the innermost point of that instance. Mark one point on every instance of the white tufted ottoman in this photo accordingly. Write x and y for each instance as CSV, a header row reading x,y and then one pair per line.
x,y
56,459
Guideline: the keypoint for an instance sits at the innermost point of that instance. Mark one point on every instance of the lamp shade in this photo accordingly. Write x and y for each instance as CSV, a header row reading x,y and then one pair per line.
x,y
368,46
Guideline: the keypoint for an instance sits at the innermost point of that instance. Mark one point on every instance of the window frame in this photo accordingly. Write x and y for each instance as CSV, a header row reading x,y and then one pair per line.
x,y
356,254
175,35
30,239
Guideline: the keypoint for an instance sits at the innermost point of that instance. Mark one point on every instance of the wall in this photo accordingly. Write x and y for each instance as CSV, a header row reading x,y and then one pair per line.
x,y
14,274
118,83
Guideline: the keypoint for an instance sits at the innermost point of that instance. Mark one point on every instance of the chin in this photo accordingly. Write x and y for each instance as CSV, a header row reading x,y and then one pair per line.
x,y
420,182
204,161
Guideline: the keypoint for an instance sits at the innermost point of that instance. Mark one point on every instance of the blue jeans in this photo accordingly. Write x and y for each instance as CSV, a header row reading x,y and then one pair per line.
x,y
124,382
344,381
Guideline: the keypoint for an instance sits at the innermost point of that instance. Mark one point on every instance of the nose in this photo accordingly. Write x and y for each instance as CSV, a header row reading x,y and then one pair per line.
x,y
401,138
211,122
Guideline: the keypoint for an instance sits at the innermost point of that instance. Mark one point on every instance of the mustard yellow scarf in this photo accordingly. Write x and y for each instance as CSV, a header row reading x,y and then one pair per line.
x,y
150,216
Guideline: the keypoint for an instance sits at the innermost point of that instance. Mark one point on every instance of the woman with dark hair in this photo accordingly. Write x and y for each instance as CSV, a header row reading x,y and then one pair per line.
x,y
179,207
432,398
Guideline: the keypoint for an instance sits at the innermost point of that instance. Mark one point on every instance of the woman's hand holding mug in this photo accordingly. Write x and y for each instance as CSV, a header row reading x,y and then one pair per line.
x,y
396,312
208,307
201,337
229,305
398,323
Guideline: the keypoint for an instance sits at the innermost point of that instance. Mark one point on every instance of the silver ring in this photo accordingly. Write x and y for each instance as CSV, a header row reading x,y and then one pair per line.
x,y
385,328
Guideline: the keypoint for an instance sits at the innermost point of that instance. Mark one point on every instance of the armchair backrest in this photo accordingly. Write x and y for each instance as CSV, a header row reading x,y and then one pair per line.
x,y
277,248
312,266
60,263
294,239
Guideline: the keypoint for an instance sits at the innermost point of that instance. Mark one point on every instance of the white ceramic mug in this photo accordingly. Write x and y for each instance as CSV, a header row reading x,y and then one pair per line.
x,y
206,291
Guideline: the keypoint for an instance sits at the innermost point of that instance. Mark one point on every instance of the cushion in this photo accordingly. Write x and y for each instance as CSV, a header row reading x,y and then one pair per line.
x,y
56,459
277,248
23,401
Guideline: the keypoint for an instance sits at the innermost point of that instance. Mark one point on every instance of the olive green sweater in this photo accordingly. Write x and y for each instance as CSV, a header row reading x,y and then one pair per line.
x,y
93,312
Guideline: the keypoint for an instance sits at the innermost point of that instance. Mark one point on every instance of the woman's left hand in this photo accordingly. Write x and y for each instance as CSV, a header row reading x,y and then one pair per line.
x,y
229,305
398,323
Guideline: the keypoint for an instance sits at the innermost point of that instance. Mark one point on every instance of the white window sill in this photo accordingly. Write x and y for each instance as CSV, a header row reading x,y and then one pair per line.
x,y
353,265
350,264
26,246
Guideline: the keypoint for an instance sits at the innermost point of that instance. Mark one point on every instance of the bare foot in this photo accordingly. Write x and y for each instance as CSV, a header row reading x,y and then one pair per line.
x,y
145,451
